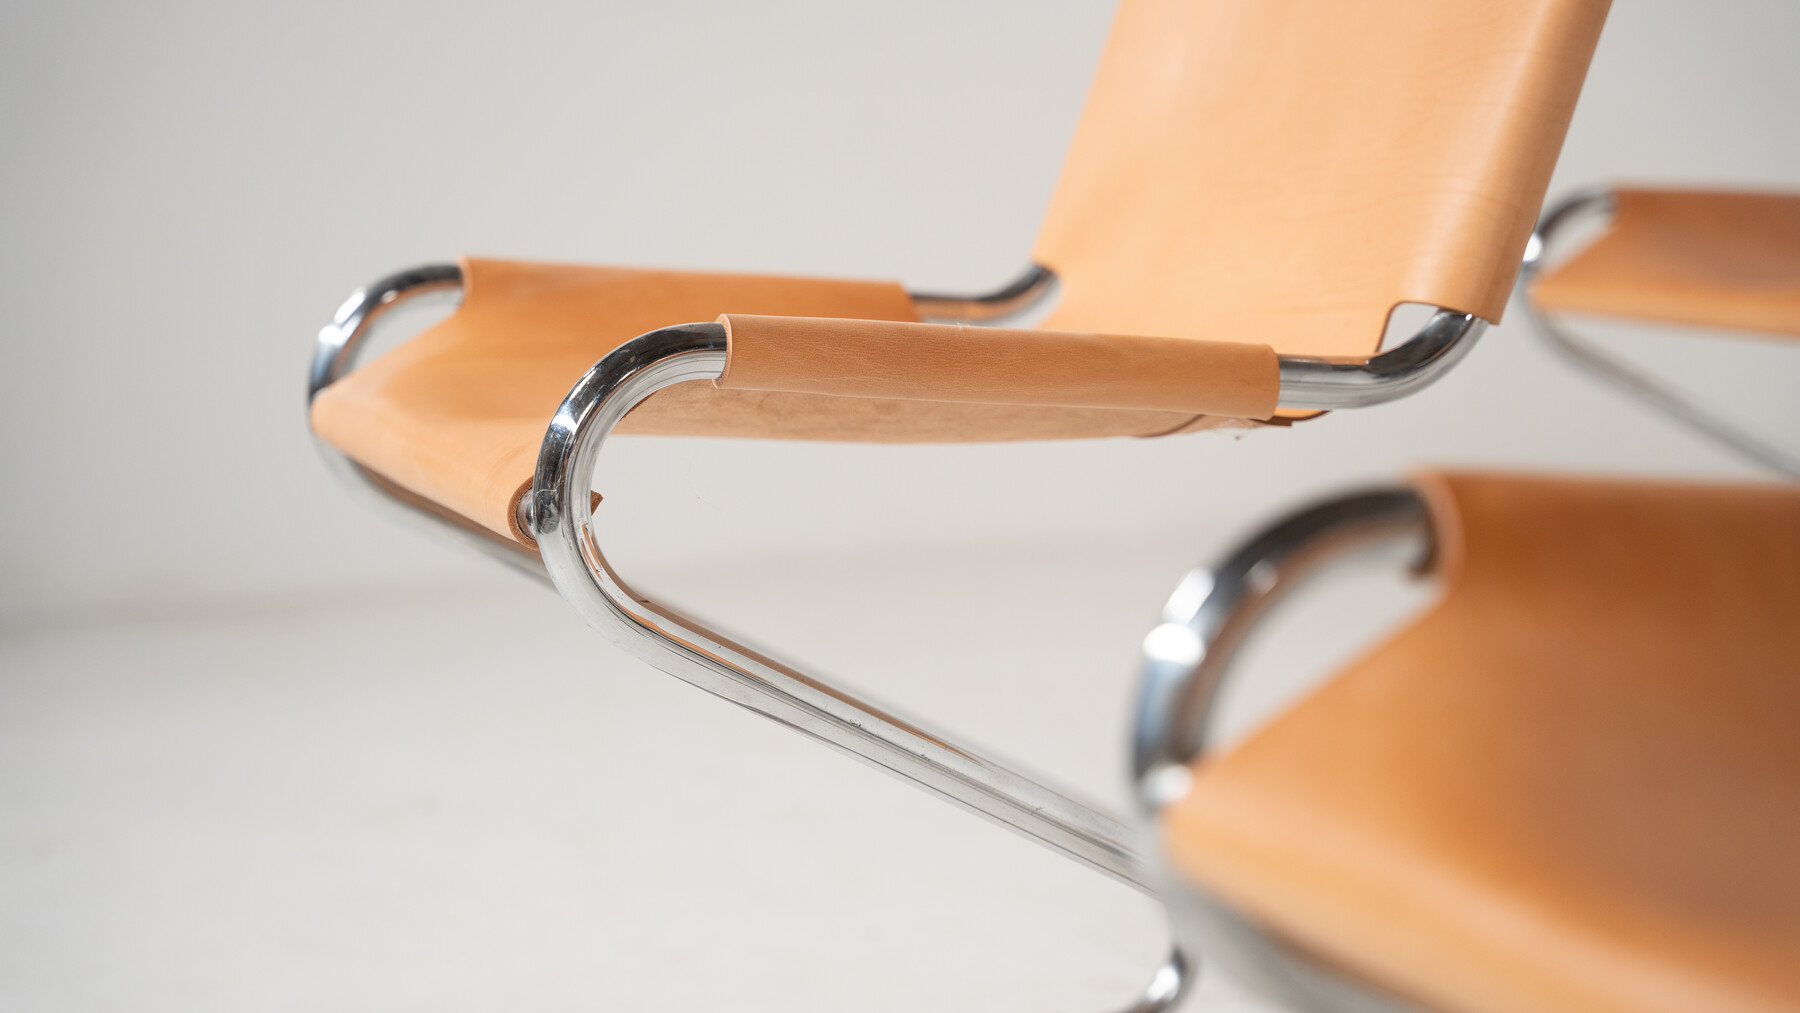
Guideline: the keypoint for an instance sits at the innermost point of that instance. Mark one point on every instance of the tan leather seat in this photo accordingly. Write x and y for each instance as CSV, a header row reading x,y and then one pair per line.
x,y
1573,785
1275,175
1726,259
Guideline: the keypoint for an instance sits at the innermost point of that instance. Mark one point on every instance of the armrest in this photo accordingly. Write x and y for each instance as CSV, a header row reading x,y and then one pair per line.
x,y
456,415
990,365
1705,258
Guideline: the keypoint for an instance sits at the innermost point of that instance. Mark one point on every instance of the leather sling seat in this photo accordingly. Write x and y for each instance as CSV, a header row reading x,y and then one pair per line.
x,y
1572,785
1248,178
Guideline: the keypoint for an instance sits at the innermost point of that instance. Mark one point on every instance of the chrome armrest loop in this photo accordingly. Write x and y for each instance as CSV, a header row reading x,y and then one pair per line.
x,y
1307,383
335,354
1187,659
1010,301
558,512
1310,383
341,341
559,516
1188,656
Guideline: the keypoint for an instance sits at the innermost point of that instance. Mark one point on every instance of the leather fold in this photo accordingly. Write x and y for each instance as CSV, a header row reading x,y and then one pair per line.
x,y
990,365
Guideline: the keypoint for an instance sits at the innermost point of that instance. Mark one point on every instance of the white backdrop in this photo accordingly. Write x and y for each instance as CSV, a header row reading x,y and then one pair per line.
x,y
191,188
260,748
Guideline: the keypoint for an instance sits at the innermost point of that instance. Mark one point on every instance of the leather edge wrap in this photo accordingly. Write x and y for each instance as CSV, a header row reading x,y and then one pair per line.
x,y
990,365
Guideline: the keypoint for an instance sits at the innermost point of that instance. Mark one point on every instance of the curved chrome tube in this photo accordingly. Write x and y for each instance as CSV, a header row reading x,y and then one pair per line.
x,y
340,342
339,346
1189,654
1187,659
1585,206
1016,297
1320,384
1307,383
559,514
570,558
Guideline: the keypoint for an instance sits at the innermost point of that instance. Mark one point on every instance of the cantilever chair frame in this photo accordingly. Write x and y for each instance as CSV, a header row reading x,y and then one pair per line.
x,y
1592,207
559,515
1188,659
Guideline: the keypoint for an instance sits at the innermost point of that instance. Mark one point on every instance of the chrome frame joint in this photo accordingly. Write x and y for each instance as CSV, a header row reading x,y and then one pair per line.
x,y
1311,383
558,513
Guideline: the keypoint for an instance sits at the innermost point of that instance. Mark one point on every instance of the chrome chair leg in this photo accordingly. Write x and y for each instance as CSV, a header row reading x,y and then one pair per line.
x,y
1167,985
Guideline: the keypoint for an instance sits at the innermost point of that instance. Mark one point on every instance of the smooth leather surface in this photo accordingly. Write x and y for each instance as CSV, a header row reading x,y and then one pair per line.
x,y
1271,173
1573,785
993,365
1706,258
457,414
1284,172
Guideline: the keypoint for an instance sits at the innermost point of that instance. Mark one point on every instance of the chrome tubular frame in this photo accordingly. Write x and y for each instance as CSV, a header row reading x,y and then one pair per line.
x,y
1187,659
340,346
1308,383
1588,207
559,515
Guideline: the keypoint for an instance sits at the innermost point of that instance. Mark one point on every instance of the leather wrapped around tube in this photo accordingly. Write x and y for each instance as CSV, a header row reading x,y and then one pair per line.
x,y
989,365
457,414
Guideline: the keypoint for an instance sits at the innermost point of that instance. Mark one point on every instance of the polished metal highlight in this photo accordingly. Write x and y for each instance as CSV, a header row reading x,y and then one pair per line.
x,y
341,341
558,513
1188,657
339,348
1002,305
1310,383
1588,206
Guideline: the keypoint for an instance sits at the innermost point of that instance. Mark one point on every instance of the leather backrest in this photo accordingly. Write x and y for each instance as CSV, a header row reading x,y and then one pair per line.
x,y
1285,172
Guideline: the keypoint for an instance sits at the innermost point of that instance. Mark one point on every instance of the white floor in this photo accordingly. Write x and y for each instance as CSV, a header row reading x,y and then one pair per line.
x,y
460,798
